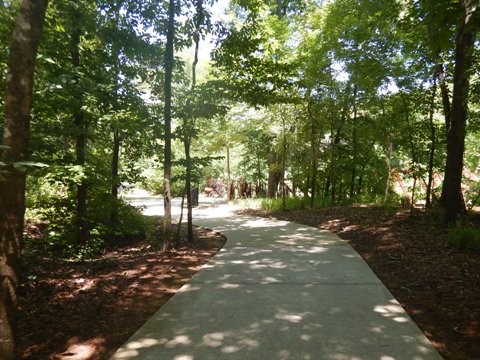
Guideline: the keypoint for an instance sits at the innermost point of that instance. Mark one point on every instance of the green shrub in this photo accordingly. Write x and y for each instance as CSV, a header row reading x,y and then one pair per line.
x,y
464,237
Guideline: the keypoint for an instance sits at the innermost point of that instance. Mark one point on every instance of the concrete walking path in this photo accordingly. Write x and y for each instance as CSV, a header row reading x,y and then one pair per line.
x,y
279,290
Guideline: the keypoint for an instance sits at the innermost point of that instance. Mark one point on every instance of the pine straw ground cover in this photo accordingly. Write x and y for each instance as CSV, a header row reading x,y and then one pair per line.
x,y
439,286
85,310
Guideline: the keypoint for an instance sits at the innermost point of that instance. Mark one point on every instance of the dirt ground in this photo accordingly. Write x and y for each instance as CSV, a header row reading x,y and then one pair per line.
x,y
438,286
86,310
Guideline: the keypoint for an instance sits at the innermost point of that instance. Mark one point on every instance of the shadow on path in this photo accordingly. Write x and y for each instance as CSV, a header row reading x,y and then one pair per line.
x,y
279,290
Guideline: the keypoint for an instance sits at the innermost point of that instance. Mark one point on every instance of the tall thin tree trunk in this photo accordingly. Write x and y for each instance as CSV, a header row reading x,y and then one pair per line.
x,y
115,182
280,11
189,127
354,144
454,202
360,179
229,175
389,174
188,189
433,141
447,110
18,99
272,172
167,175
82,232
313,152
284,158
116,130
412,205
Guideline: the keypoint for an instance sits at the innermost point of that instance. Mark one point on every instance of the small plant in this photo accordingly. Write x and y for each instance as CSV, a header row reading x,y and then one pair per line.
x,y
464,237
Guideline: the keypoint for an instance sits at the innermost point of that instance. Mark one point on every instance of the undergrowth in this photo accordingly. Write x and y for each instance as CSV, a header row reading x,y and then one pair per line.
x,y
464,236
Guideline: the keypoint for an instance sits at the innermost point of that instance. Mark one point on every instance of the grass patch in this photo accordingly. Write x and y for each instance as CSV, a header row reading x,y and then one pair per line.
x,y
464,237
291,203
250,203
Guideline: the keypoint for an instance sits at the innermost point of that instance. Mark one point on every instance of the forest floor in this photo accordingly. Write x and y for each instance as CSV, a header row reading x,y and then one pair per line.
x,y
439,286
85,310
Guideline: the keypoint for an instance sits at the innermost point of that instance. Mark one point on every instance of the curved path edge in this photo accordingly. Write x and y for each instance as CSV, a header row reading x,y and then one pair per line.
x,y
279,290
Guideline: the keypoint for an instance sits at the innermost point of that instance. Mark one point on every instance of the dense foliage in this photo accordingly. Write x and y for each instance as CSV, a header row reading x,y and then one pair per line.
x,y
355,97
341,101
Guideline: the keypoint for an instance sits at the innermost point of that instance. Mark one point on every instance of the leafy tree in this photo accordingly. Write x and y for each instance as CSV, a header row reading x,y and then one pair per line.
x,y
19,87
464,45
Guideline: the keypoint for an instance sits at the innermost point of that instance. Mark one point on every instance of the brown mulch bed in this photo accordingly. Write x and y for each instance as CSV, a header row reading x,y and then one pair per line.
x,y
86,310
439,286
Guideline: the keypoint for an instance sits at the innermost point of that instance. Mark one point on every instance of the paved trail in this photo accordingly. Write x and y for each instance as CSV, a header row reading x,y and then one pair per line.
x,y
279,290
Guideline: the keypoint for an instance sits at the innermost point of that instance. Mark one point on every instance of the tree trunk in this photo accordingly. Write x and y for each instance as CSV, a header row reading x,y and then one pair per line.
x,y
465,40
447,109
19,84
280,9
412,205
360,179
272,173
188,188
354,144
229,176
115,182
389,175
433,141
116,131
284,158
189,127
82,232
313,152
167,195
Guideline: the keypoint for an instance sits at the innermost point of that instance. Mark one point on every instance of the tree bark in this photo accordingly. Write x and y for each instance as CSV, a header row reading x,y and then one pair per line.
x,y
19,83
272,173
115,182
167,195
280,10
433,141
284,158
229,175
465,40
82,233
313,152
354,144
116,130
447,110
189,122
